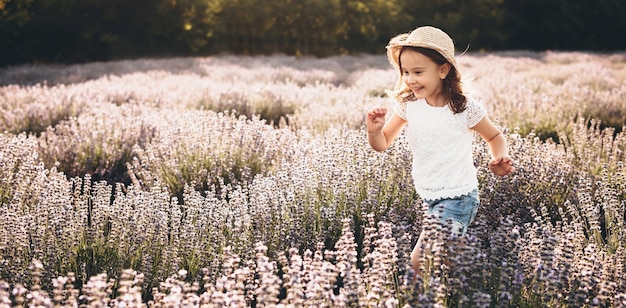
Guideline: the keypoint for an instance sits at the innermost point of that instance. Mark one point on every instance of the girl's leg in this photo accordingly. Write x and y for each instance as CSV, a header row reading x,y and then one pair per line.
x,y
457,213
416,255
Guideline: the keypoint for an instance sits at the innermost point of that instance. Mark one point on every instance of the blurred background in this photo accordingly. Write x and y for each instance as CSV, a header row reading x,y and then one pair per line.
x,y
75,31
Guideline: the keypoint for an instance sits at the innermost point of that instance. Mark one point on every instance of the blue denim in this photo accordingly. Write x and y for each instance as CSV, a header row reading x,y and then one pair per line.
x,y
459,211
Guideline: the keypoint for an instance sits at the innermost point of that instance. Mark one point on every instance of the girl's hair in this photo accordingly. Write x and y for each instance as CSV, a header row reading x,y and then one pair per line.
x,y
454,95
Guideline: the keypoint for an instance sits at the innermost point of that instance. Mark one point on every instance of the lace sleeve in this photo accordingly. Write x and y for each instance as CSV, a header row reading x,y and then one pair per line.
x,y
475,112
401,109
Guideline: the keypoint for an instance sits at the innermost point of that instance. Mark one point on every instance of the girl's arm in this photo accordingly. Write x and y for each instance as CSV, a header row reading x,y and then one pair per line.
x,y
501,163
380,134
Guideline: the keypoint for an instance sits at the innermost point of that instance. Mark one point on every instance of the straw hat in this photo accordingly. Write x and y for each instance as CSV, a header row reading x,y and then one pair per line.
x,y
426,37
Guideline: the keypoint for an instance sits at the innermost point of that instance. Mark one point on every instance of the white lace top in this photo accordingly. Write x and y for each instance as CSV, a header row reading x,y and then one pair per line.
x,y
441,142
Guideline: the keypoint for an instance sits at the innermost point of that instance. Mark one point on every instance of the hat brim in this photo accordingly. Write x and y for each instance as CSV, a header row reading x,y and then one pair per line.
x,y
398,42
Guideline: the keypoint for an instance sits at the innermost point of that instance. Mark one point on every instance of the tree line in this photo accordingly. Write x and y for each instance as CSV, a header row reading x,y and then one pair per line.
x,y
70,31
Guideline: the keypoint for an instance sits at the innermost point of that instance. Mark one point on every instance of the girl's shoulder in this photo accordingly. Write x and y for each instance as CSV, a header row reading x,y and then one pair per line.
x,y
473,101
401,106
475,111
472,104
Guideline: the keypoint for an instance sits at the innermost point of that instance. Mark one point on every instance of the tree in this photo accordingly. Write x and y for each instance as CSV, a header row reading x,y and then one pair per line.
x,y
14,16
100,30
370,24
475,24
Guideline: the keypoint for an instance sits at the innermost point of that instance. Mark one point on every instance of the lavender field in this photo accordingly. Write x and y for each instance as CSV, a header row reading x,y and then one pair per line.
x,y
248,182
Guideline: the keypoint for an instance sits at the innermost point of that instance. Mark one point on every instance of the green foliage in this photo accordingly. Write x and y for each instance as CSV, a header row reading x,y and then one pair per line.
x,y
563,25
545,130
79,31
95,257
606,115
15,18
473,24
102,153
378,92
33,113
219,151
268,106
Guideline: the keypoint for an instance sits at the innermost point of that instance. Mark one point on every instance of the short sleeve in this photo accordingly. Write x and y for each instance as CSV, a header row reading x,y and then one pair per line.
x,y
401,110
475,112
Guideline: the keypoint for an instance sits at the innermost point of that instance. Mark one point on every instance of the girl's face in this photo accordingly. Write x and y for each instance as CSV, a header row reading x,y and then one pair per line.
x,y
423,76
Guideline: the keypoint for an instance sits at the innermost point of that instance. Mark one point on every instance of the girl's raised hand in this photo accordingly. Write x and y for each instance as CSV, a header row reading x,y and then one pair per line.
x,y
376,119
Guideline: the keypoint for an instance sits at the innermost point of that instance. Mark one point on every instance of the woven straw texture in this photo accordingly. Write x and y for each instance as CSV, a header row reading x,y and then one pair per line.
x,y
426,37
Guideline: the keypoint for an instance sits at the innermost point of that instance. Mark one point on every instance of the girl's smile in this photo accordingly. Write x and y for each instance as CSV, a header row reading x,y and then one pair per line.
x,y
423,76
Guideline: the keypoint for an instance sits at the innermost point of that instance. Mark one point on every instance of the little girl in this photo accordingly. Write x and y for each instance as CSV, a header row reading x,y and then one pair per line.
x,y
440,121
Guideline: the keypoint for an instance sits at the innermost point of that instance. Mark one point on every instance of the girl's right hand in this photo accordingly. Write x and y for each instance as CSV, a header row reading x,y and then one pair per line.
x,y
376,119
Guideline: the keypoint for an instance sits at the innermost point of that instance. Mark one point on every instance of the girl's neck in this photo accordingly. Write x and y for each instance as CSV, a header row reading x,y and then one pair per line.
x,y
437,101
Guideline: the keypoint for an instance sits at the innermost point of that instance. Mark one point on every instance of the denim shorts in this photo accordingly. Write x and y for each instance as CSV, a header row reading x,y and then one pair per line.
x,y
460,211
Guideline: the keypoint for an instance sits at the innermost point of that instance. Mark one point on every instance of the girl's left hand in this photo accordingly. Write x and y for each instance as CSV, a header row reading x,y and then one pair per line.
x,y
501,165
